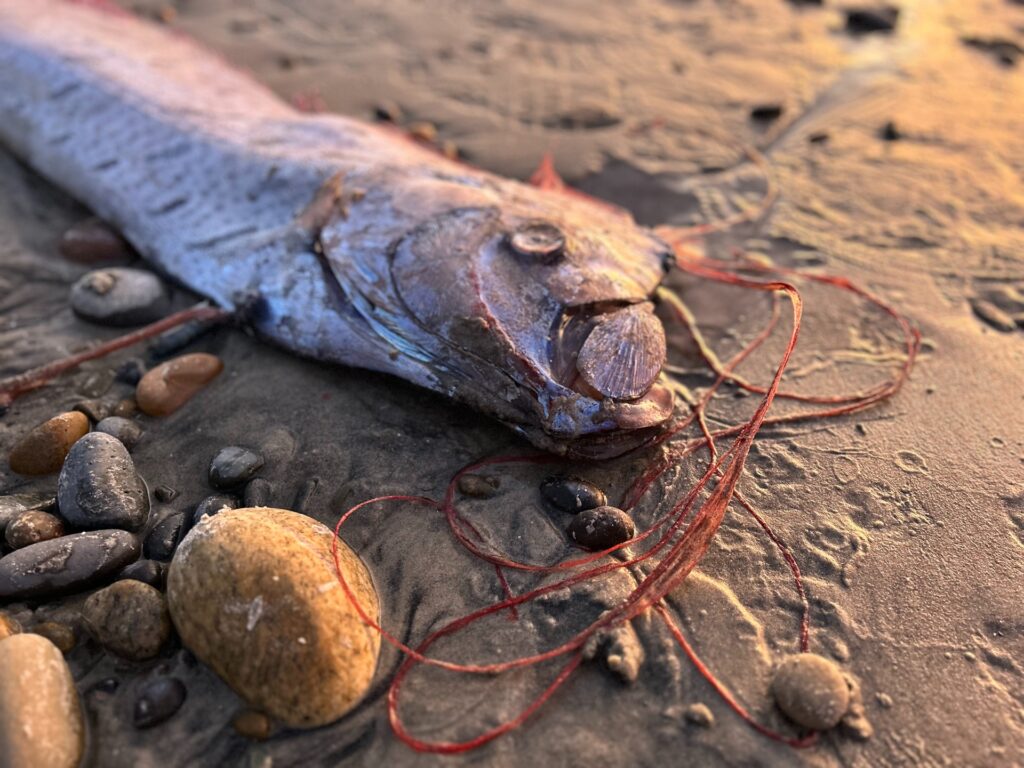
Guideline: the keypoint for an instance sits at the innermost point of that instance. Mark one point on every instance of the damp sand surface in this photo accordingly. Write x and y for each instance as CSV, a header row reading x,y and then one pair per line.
x,y
899,160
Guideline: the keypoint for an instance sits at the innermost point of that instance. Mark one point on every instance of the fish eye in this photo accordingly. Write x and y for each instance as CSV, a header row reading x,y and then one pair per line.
x,y
538,240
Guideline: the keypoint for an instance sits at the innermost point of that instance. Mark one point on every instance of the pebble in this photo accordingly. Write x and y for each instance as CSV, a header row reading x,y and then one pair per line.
x,y
93,242
128,618
120,296
130,371
272,631
99,487
125,430
811,691
12,506
41,723
305,494
586,115
880,19
125,408
479,486
170,385
163,537
61,635
157,701
68,564
95,410
211,505
766,113
891,132
31,527
147,571
993,315
423,131
165,493
700,714
257,492
572,494
8,625
601,528
42,451
251,724
233,466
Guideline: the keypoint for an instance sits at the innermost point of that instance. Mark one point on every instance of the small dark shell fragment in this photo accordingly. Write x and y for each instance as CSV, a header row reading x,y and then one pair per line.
x,y
601,528
571,494
538,240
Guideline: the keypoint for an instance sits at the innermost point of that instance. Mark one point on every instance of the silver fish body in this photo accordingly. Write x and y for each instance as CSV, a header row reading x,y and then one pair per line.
x,y
363,248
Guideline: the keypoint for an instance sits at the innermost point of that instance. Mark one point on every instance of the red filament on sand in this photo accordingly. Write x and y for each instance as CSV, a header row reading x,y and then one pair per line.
x,y
680,536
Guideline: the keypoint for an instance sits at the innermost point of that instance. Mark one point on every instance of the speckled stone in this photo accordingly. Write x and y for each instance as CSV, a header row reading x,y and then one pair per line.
x,y
601,528
120,296
99,487
571,494
128,618
42,451
65,565
168,386
31,527
280,631
811,691
41,724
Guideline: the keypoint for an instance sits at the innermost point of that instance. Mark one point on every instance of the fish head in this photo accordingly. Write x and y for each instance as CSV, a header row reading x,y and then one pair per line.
x,y
544,305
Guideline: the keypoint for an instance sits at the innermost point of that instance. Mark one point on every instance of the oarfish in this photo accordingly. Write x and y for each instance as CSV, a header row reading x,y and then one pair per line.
x,y
361,247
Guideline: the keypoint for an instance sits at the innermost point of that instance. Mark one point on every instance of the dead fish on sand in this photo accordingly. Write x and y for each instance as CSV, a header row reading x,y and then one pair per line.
x,y
363,248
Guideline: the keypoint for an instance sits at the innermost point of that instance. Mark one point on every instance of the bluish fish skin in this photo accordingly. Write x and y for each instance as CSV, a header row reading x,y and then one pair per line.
x,y
362,247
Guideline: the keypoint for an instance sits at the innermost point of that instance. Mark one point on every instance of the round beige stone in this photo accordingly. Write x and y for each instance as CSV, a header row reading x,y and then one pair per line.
x,y
253,593
40,715
811,691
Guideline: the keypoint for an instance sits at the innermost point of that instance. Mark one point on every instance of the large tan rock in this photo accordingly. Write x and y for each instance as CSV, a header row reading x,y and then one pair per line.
x,y
40,715
254,594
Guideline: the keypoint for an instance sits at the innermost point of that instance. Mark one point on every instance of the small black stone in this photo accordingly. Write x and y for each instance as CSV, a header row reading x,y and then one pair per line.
x,y
818,137
890,132
766,113
157,701
147,571
163,538
865,20
170,343
98,486
106,685
233,466
125,430
257,492
571,494
305,494
601,528
130,371
164,493
211,505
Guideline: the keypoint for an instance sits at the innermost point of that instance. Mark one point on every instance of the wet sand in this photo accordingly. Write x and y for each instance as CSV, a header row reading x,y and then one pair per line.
x,y
908,520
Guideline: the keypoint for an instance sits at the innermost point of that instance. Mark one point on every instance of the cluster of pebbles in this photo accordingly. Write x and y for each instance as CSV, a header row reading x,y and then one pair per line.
x,y
252,591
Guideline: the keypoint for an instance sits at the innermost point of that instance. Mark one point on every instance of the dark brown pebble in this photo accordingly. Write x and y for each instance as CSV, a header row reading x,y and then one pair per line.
x,y
43,450
149,572
164,493
125,408
95,410
158,700
571,494
68,564
164,536
167,387
8,625
479,486
31,527
93,242
601,528
251,724
57,633
257,493
234,466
